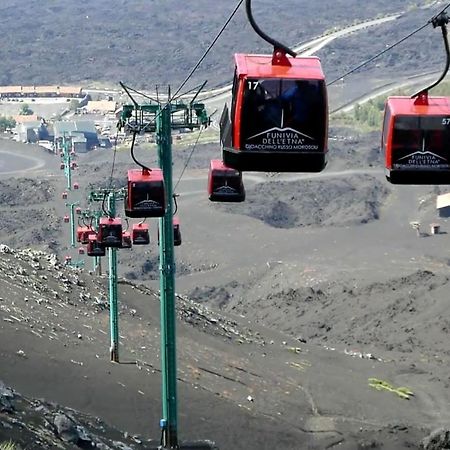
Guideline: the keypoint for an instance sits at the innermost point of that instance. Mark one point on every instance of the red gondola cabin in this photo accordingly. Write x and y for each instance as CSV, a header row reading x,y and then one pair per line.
x,y
176,231
66,219
224,183
76,186
140,234
86,233
279,115
81,251
78,211
94,248
146,195
62,166
110,232
64,195
416,140
126,239
81,232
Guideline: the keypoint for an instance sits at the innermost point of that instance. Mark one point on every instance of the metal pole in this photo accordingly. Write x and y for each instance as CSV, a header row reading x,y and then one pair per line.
x,y
67,161
97,264
72,224
112,278
162,125
167,288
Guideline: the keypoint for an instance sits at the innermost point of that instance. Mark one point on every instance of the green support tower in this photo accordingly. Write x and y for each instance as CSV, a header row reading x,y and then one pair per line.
x,y
162,119
110,196
66,159
71,207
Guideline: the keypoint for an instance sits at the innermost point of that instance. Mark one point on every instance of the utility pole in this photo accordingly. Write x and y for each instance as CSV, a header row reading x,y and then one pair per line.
x,y
66,158
162,119
111,196
112,283
167,287
71,207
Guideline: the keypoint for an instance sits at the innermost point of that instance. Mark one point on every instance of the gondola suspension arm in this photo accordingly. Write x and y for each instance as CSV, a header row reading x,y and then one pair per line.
x,y
279,50
439,21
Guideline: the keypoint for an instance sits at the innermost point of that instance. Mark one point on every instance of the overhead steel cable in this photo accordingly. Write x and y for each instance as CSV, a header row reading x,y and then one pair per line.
x,y
377,55
387,49
128,88
216,38
188,159
114,160
205,54
222,29
439,13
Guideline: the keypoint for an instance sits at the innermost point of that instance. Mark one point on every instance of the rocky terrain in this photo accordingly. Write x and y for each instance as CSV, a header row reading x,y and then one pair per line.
x,y
113,39
37,424
322,301
312,316
53,323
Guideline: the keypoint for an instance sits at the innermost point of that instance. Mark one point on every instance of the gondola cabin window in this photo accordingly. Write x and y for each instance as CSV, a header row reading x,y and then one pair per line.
x,y
283,115
225,183
421,142
230,179
146,193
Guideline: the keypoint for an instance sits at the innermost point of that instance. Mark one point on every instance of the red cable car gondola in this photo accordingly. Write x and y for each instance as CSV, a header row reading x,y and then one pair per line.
x,y
224,183
68,259
94,248
83,234
81,251
64,195
62,166
176,231
140,234
66,219
87,235
80,231
279,112
110,232
416,132
78,210
126,239
73,165
146,195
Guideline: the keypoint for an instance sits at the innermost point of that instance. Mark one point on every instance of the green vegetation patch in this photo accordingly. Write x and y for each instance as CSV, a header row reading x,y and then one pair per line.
x,y
7,123
369,115
381,385
9,446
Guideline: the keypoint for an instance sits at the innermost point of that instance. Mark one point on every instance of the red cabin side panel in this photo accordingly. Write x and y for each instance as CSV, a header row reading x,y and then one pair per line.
x,y
388,123
237,113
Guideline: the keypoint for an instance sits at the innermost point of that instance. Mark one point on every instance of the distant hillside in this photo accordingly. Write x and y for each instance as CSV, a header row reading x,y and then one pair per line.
x,y
421,53
145,42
